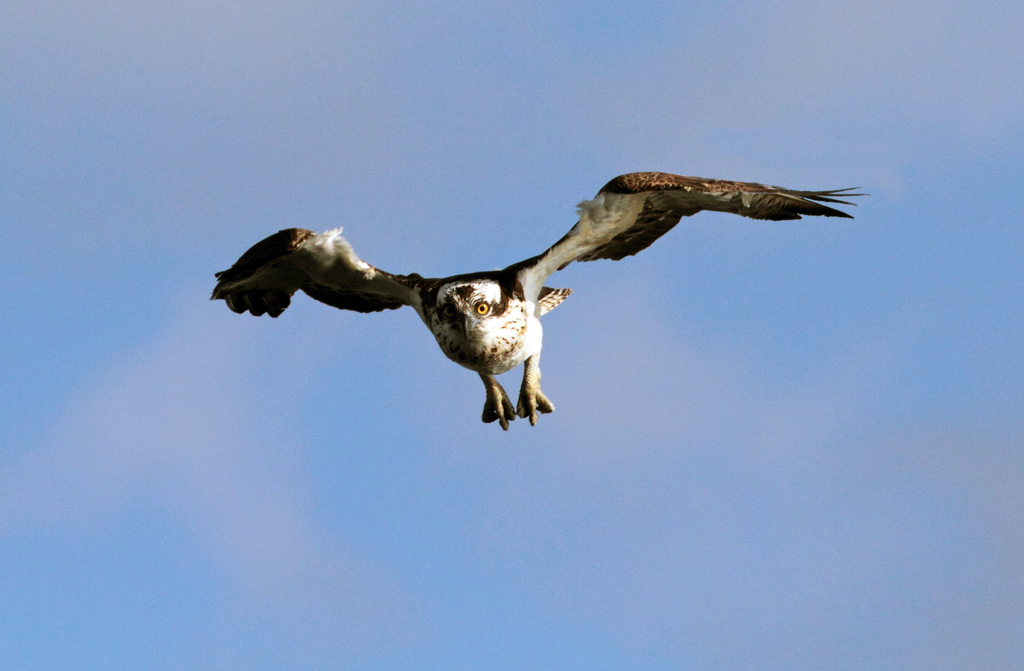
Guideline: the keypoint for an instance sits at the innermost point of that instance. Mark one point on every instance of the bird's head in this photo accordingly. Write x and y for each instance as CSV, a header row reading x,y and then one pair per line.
x,y
470,307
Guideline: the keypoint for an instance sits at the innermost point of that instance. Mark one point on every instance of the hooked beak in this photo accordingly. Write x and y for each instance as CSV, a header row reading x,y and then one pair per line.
x,y
466,328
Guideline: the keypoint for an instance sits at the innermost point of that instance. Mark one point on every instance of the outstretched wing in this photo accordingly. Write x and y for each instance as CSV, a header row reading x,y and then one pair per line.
x,y
632,211
323,266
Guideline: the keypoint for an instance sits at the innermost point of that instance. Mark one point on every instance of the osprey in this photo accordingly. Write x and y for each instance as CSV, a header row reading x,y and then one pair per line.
x,y
489,322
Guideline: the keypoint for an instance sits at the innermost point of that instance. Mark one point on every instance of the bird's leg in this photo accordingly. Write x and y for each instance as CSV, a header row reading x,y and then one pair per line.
x,y
531,398
498,406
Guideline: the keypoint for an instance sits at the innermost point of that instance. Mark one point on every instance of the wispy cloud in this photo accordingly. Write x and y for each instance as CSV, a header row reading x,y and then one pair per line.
x,y
691,505
172,425
684,498
855,89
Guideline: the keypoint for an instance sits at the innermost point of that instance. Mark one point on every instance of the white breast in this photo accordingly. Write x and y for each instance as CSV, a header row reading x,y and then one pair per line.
x,y
499,345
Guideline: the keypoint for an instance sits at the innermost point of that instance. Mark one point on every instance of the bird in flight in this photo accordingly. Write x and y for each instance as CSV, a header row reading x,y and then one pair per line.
x,y
489,322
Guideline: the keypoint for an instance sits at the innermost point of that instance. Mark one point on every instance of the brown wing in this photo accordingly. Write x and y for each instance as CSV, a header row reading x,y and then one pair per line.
x,y
263,252
361,301
273,295
672,197
762,201
633,210
323,266
655,219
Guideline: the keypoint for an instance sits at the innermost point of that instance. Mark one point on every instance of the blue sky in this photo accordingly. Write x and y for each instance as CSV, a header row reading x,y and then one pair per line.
x,y
778,445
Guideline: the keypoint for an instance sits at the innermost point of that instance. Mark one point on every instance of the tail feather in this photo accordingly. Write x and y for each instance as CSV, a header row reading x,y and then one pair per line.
x,y
551,298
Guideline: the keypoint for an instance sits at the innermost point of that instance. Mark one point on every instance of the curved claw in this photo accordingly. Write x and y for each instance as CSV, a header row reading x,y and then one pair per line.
x,y
498,406
531,398
532,401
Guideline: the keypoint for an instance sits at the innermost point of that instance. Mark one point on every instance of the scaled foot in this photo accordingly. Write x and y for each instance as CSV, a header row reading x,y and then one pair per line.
x,y
498,406
531,398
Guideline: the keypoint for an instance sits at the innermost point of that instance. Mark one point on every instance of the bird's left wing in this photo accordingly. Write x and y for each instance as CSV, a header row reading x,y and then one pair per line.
x,y
323,266
632,211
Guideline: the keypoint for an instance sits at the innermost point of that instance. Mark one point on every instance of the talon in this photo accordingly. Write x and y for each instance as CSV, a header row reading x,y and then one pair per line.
x,y
530,402
531,398
498,406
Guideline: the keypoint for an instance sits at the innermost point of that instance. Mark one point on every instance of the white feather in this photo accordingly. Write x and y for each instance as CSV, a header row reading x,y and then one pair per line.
x,y
601,219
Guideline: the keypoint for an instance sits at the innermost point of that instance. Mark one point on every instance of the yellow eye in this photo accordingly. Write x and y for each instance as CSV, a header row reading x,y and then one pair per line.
x,y
482,308
448,310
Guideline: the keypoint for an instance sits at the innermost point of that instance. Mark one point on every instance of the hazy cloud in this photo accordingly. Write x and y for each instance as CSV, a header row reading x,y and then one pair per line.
x,y
698,510
776,446
876,83
172,424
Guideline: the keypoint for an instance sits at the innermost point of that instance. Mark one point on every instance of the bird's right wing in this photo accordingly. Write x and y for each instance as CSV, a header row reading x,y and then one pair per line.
x,y
323,266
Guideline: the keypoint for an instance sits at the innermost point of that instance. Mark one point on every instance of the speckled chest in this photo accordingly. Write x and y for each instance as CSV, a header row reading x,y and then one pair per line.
x,y
495,345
